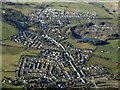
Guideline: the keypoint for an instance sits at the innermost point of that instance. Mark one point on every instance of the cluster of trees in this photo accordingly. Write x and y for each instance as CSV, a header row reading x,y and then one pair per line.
x,y
113,36
94,42
12,3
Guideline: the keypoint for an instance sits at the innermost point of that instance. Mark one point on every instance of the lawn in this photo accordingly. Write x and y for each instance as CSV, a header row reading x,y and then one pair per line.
x,y
112,48
10,86
107,47
104,63
8,30
73,22
8,61
0,30
25,9
114,44
80,45
112,56
12,43
108,5
11,57
9,75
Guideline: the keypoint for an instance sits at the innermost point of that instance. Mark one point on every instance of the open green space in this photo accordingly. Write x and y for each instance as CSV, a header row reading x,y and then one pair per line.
x,y
107,5
113,21
74,22
10,86
112,56
110,50
107,47
114,44
80,45
12,43
11,57
25,9
113,67
9,62
8,30
9,75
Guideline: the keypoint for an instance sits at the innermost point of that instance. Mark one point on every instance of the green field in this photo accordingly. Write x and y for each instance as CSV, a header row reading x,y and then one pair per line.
x,y
9,75
25,9
80,45
12,43
80,7
114,43
104,63
74,22
112,48
8,30
9,60
10,86
108,5
11,57
113,56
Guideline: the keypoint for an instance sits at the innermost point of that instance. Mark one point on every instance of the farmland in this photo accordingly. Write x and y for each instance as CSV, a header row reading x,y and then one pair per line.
x,y
110,50
112,67
80,45
8,30
10,60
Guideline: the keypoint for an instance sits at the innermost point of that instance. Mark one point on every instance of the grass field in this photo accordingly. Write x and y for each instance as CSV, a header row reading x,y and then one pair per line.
x,y
10,86
12,43
113,56
112,48
9,75
104,63
74,22
80,45
8,30
108,5
11,57
113,21
8,61
114,43
25,9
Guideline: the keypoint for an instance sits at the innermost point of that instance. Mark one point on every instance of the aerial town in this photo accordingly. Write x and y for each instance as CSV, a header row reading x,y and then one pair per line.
x,y
53,47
